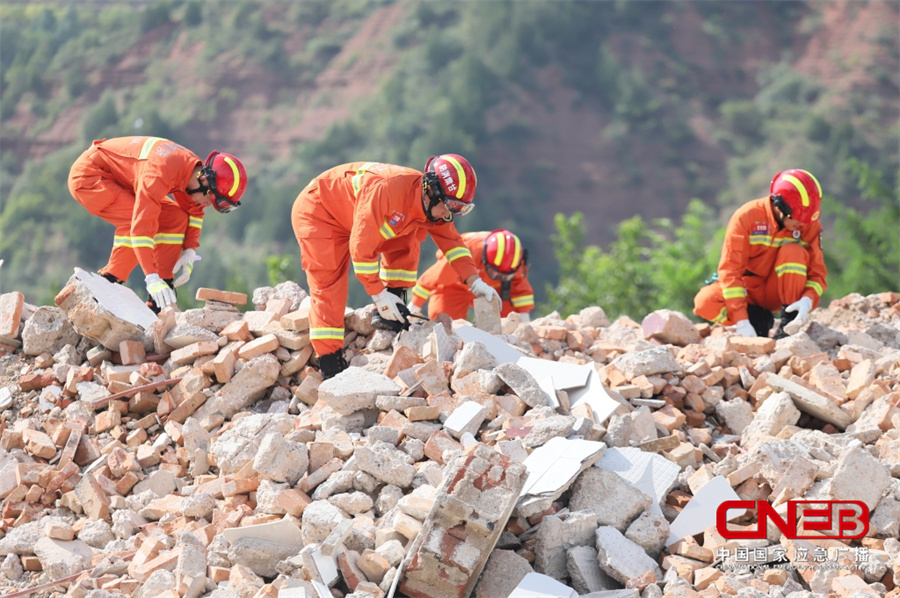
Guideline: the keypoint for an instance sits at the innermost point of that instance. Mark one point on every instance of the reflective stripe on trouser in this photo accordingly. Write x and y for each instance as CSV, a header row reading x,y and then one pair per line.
x,y
784,285
113,203
325,257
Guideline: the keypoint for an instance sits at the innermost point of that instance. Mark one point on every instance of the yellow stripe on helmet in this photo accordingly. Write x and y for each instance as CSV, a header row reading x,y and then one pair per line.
x,y
804,195
517,255
501,248
815,180
460,174
235,172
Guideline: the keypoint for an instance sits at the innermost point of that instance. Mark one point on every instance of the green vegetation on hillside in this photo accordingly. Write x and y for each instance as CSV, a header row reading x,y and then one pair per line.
x,y
680,120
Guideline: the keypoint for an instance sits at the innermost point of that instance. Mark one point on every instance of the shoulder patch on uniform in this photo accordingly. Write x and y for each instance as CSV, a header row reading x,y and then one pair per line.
x,y
396,218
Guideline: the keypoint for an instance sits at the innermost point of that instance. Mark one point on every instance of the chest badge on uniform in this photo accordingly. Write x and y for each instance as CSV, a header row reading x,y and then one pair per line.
x,y
796,234
396,218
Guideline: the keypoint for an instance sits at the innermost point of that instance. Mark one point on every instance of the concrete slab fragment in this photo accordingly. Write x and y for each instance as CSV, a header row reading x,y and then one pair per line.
x,y
118,299
283,532
648,472
700,512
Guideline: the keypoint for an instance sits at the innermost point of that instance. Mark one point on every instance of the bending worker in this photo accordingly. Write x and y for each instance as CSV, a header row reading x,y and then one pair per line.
x,y
502,263
772,259
154,191
358,212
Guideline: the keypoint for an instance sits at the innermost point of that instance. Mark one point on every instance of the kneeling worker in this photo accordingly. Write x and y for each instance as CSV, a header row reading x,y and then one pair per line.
x,y
502,263
771,259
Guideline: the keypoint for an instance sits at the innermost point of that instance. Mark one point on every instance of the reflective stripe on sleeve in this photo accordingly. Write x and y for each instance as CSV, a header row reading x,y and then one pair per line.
x,y
456,253
365,267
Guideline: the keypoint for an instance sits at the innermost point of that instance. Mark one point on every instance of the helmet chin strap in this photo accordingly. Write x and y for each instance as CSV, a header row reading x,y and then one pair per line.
x,y
427,208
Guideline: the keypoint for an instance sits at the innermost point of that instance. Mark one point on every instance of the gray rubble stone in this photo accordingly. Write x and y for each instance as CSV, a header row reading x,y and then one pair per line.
x,y
473,357
522,384
237,446
549,427
47,331
610,497
60,558
555,536
649,531
386,463
186,334
502,573
658,360
251,383
159,582
771,417
585,572
622,559
670,327
737,414
281,460
261,556
630,429
859,476
355,389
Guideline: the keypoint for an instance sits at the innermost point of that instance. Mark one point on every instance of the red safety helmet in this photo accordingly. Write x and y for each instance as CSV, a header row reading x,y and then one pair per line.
x,y
503,254
227,180
797,194
453,181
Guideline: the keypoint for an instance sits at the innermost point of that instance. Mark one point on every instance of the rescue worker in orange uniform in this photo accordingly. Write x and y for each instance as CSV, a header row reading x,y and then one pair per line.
x,y
354,213
771,259
502,263
154,191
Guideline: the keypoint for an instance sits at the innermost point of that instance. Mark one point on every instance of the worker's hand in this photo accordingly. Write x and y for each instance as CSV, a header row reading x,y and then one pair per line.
x,y
186,264
414,309
745,328
161,292
482,289
388,306
802,307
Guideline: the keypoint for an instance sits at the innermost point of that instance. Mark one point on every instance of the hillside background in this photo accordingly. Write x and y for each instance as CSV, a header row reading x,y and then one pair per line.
x,y
614,137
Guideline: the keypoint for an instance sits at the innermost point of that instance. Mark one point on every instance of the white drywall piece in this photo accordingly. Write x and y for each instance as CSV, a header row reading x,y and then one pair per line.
x,y
700,512
538,585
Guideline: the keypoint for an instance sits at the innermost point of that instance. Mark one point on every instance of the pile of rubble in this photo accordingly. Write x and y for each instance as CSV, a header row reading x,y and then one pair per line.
x,y
201,454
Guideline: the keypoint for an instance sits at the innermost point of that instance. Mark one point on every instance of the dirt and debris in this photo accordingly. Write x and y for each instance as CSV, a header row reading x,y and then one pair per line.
x,y
202,454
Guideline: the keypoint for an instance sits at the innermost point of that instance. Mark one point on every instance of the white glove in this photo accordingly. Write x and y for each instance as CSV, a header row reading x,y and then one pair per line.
x,y
414,309
386,303
802,307
161,292
186,264
745,328
524,316
482,289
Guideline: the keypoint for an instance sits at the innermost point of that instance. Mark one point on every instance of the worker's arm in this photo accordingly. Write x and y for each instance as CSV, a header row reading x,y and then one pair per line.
x,y
368,232
816,272
448,240
521,295
150,187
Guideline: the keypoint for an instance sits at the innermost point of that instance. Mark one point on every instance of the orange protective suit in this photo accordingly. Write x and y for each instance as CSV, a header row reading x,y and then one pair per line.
x,y
127,181
762,265
442,288
355,213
